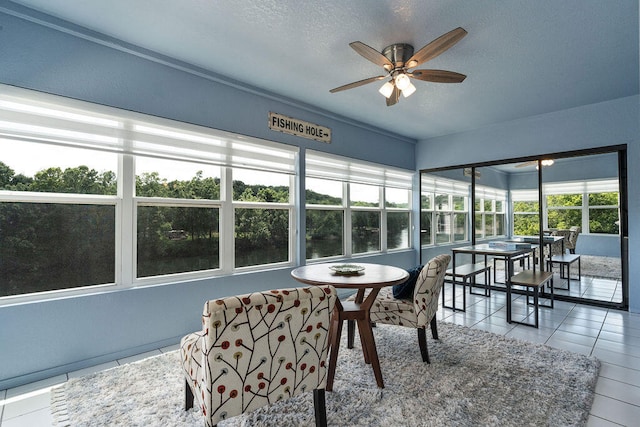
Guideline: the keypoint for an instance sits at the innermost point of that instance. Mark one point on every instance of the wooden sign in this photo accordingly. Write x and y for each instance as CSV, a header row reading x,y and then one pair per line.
x,y
296,127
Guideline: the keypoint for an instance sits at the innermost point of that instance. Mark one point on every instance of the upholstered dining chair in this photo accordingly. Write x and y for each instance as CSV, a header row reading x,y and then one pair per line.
x,y
417,312
570,243
257,349
556,248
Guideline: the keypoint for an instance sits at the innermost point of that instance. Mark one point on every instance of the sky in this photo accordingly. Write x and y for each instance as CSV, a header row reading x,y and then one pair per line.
x,y
28,158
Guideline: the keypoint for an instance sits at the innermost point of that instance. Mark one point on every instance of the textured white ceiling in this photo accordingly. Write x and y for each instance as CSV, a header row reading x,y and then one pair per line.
x,y
521,57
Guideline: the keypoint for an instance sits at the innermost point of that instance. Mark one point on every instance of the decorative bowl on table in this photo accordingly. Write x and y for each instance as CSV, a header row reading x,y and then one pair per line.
x,y
347,269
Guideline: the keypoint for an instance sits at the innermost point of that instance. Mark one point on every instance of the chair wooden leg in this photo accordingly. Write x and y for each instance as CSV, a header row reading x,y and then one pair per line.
x,y
320,407
334,334
188,396
434,328
422,342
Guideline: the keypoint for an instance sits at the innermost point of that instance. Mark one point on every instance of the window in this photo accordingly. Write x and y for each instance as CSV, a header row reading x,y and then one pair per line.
x,y
489,212
173,239
604,213
91,195
526,218
444,211
591,205
426,218
364,201
397,201
53,246
57,217
355,207
325,218
173,235
564,210
263,214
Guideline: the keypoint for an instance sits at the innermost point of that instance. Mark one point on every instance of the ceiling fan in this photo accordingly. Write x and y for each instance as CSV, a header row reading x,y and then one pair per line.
x,y
467,172
397,60
545,162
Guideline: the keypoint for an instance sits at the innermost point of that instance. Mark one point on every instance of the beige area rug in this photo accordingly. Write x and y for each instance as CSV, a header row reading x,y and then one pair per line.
x,y
475,378
601,266
591,266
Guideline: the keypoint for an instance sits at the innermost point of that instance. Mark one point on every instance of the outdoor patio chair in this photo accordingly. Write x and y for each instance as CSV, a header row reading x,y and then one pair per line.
x,y
257,349
417,312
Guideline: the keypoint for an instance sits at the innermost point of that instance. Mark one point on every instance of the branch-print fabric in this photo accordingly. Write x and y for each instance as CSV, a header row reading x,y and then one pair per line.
x,y
416,313
257,349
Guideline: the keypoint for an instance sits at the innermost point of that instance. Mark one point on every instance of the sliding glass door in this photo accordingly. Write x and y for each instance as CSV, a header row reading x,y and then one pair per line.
x,y
578,199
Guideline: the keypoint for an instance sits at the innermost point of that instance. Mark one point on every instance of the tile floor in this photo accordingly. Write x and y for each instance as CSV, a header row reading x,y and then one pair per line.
x,y
612,336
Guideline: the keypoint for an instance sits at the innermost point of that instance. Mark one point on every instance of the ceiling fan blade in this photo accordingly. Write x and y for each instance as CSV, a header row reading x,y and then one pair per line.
x,y
545,162
525,164
395,96
372,55
438,76
436,47
356,84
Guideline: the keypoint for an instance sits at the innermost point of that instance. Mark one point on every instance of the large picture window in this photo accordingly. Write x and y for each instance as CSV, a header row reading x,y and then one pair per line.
x,y
91,196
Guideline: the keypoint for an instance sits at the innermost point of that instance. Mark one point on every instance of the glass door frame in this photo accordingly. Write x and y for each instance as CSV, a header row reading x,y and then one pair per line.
x,y
621,151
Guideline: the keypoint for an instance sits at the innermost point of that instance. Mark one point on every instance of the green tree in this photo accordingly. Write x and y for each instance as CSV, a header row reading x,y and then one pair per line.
x,y
6,176
314,198
149,184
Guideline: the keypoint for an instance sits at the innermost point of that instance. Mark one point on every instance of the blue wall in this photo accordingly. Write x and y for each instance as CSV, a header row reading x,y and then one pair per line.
x,y
597,125
42,339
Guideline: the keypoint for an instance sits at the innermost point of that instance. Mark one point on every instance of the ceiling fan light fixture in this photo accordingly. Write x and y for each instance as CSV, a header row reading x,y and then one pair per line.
x,y
408,91
402,81
547,162
387,89
397,59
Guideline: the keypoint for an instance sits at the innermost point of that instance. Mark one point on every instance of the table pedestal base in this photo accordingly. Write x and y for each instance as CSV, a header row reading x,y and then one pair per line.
x,y
358,312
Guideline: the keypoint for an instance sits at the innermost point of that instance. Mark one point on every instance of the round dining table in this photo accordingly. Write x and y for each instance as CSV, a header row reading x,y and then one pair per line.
x,y
371,277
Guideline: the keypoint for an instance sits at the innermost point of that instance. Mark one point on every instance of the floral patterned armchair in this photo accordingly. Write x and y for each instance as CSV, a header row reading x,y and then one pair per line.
x,y
256,349
573,239
420,311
